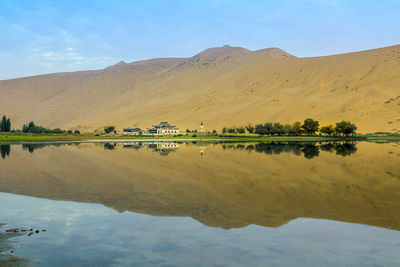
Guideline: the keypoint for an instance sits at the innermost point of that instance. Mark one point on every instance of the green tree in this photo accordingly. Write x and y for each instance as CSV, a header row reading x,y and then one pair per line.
x,y
329,130
310,126
287,128
3,123
31,125
109,129
8,125
28,128
259,129
345,128
277,128
296,128
77,132
250,128
240,130
224,130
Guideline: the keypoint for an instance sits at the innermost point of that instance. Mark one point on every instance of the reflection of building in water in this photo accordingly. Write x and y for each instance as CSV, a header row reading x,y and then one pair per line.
x,y
202,149
164,148
132,146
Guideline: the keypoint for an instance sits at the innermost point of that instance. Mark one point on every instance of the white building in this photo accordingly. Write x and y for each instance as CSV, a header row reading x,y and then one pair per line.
x,y
132,131
164,128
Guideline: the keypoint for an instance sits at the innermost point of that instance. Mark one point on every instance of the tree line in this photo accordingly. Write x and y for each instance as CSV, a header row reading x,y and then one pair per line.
x,y
31,127
308,127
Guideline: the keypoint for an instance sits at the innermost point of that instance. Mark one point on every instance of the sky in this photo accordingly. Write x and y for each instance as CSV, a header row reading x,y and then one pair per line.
x,y
46,36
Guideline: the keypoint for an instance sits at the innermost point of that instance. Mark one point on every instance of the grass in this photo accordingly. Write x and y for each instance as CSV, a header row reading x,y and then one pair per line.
x,y
6,137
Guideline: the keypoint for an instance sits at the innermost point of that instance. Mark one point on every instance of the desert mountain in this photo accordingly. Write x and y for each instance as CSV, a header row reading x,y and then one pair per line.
x,y
223,86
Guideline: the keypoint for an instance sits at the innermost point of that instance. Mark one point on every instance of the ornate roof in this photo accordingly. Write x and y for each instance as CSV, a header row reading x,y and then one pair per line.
x,y
164,124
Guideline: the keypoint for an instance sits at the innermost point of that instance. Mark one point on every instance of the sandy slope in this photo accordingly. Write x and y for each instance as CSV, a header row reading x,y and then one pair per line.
x,y
222,86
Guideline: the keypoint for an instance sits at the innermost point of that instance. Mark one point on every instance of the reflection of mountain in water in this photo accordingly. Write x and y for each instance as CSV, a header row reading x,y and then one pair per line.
x,y
224,188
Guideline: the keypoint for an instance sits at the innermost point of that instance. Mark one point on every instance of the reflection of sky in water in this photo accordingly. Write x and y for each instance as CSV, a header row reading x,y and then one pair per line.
x,y
90,234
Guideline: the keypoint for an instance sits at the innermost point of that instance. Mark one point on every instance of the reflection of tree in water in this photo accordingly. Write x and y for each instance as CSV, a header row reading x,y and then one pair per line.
x,y
5,150
328,147
308,149
109,146
32,147
341,148
345,149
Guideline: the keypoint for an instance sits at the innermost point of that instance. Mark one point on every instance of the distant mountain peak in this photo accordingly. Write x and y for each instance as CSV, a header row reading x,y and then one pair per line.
x,y
225,50
121,63
118,65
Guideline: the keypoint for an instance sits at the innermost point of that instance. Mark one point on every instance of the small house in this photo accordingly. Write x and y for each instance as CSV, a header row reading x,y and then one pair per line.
x,y
132,131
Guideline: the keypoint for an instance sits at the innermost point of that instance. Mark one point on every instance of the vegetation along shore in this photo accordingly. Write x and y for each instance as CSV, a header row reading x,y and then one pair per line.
x,y
309,130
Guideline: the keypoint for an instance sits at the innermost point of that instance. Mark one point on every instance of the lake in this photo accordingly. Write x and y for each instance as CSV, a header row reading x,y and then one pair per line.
x,y
200,204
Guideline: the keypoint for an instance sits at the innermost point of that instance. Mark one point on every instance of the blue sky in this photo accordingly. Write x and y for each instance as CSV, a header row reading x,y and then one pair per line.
x,y
43,36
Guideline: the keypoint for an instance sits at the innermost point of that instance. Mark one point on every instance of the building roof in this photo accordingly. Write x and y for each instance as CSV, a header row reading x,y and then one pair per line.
x,y
164,124
132,130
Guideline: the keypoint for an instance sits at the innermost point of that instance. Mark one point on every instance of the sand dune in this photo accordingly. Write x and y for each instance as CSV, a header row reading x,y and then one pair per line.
x,y
222,86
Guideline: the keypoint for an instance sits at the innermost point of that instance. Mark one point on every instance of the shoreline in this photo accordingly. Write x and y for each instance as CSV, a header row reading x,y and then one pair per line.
x,y
15,139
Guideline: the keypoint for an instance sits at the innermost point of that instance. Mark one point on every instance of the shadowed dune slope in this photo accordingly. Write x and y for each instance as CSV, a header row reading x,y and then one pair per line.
x,y
223,86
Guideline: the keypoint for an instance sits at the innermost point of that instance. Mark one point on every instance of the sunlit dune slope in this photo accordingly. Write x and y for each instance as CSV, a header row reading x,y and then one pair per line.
x,y
224,86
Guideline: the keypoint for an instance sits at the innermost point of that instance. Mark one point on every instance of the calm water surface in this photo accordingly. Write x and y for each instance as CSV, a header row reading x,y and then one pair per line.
x,y
200,204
